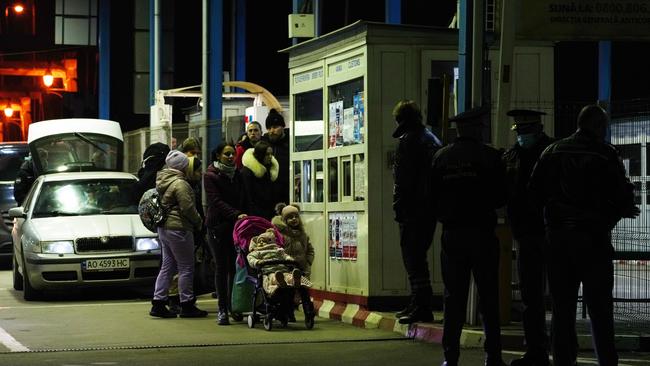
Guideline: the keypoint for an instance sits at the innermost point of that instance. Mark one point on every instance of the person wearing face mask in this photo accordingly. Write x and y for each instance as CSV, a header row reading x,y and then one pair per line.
x,y
581,182
259,174
249,139
225,196
527,224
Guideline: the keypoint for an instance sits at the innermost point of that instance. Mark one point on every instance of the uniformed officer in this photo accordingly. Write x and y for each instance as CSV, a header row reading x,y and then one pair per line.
x,y
412,203
527,224
581,182
469,183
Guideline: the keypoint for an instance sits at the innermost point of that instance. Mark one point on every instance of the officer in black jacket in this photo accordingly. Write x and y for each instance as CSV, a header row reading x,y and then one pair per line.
x,y
469,181
412,204
527,224
581,182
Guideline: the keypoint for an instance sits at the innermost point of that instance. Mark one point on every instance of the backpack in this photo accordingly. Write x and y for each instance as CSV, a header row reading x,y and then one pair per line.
x,y
151,210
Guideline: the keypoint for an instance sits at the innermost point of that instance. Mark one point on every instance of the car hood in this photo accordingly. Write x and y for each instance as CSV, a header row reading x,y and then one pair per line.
x,y
70,228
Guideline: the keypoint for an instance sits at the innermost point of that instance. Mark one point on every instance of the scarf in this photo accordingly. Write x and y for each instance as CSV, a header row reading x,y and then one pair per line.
x,y
228,170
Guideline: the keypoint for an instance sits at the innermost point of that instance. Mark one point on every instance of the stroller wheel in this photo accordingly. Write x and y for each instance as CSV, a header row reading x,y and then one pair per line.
x,y
237,317
251,321
309,321
268,322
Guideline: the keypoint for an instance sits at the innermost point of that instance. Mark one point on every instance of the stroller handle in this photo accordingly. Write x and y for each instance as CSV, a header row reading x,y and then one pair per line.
x,y
289,262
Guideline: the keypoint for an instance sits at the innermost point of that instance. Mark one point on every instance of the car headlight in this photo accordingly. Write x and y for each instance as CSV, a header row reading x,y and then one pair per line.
x,y
57,247
146,244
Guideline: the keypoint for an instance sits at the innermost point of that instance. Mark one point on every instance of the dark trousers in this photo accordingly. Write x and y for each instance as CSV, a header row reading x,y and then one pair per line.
x,y
223,251
585,257
468,251
415,241
532,281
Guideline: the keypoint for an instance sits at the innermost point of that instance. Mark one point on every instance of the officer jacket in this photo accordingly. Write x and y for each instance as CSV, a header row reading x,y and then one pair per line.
x,y
581,182
469,184
526,218
412,189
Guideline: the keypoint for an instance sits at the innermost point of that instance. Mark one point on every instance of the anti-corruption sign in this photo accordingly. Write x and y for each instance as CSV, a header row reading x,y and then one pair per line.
x,y
557,20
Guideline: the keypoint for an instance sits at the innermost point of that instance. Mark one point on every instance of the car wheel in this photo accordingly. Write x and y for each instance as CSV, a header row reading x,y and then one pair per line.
x,y
29,293
18,278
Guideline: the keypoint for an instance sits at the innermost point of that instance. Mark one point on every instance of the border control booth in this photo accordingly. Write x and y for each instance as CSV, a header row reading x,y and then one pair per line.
x,y
343,87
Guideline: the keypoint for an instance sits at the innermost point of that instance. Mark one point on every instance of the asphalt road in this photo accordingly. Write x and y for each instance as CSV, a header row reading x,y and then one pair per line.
x,y
109,327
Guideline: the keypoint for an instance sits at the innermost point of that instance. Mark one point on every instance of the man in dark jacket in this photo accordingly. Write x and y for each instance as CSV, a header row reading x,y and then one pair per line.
x,y
580,180
412,202
278,137
527,224
469,183
153,159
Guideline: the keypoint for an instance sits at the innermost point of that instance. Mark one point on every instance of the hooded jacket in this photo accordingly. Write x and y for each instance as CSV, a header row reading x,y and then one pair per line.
x,y
296,244
178,196
259,187
261,251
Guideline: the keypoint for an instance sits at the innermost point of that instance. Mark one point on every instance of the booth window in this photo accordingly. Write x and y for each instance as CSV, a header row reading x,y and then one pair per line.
x,y
308,117
318,194
347,177
306,181
333,175
359,177
346,108
297,181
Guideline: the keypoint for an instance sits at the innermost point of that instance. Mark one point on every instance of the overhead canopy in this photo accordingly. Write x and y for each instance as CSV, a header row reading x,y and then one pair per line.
x,y
267,98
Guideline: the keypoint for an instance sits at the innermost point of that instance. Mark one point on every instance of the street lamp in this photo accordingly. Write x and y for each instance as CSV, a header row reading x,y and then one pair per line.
x,y
9,111
48,79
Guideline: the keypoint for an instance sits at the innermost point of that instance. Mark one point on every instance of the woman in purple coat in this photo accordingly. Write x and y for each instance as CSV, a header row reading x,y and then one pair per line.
x,y
225,198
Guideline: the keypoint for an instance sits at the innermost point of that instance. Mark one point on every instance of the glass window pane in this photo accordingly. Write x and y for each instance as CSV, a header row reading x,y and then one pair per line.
x,y
631,156
306,181
318,194
297,181
308,117
347,178
333,172
345,114
75,31
76,7
359,178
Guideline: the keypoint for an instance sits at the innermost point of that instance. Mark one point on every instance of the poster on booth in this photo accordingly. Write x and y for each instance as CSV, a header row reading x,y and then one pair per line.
x,y
343,235
335,125
357,105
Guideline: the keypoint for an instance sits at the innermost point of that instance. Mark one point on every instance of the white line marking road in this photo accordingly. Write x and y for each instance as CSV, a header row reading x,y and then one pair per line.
x,y
11,343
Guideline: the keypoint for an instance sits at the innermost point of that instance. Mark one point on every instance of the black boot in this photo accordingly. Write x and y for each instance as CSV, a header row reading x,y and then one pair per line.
x,y
159,309
174,303
189,310
418,314
532,359
407,310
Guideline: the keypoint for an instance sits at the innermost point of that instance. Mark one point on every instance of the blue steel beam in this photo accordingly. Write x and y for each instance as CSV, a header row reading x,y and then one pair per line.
x,y
215,71
240,40
104,59
465,22
393,11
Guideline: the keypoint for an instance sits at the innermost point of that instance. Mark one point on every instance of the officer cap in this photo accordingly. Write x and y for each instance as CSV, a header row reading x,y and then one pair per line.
x,y
525,117
474,115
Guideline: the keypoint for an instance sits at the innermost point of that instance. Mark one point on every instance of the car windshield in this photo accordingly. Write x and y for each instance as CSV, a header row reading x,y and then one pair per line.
x,y
10,161
86,197
76,152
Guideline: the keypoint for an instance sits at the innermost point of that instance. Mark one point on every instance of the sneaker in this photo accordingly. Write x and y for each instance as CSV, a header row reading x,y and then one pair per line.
x,y
279,279
222,318
159,310
297,277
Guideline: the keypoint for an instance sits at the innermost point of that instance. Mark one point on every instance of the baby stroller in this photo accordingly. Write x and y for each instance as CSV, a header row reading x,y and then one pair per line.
x,y
248,290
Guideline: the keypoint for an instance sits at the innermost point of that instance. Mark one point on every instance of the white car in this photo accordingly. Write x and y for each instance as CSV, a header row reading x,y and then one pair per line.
x,y
81,229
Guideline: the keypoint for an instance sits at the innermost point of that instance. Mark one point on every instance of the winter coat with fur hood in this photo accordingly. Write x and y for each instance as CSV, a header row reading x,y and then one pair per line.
x,y
296,244
259,187
178,196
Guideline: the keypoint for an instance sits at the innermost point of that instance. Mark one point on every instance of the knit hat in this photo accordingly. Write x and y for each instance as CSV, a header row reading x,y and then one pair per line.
x,y
274,119
288,210
177,160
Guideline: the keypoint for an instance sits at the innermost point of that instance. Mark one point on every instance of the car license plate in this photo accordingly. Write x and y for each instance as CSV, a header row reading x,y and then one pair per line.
x,y
108,264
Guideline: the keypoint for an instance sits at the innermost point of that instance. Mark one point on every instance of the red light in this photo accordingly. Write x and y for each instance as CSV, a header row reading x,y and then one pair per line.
x,y
18,8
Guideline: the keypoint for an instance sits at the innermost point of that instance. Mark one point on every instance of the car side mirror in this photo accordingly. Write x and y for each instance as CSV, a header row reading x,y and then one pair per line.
x,y
17,212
